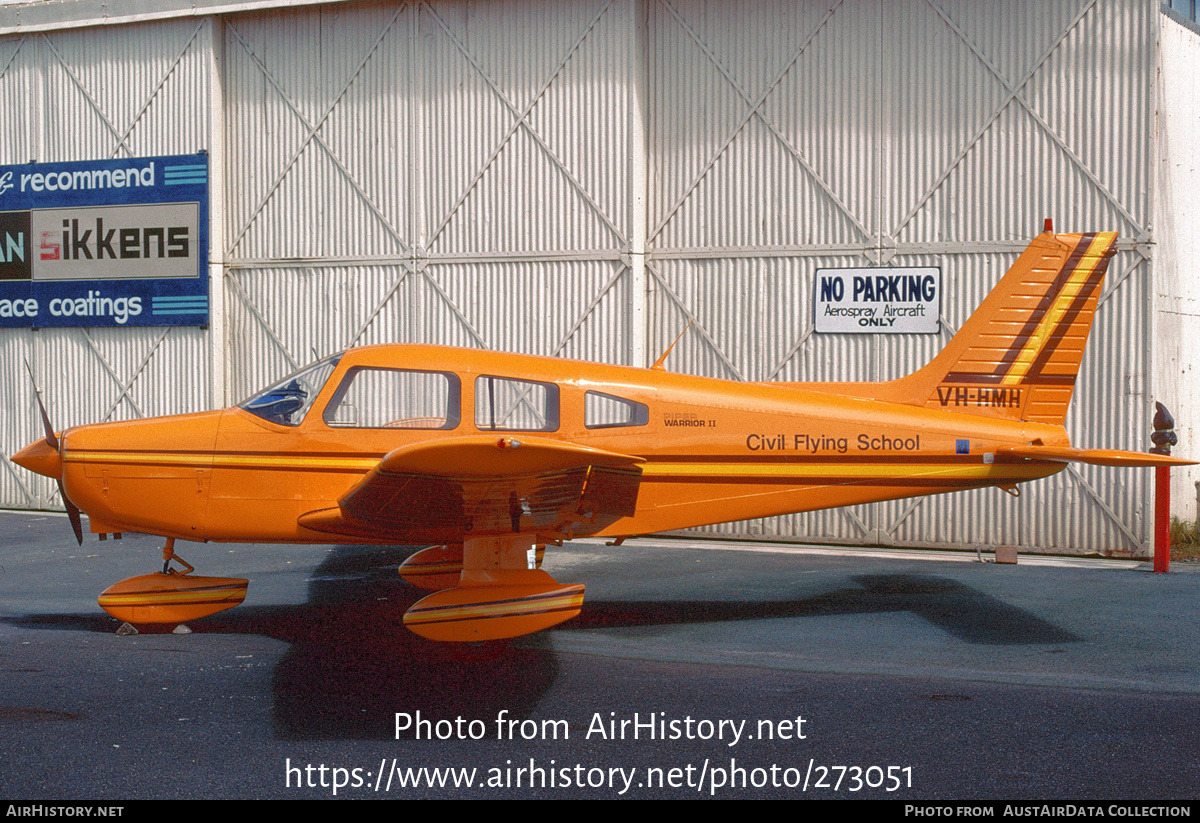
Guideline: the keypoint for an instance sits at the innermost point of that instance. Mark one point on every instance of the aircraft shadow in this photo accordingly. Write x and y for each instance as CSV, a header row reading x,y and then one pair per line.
x,y
351,664
963,612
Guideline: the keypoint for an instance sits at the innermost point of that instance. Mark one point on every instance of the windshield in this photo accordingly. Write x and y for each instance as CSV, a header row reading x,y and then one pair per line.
x,y
289,400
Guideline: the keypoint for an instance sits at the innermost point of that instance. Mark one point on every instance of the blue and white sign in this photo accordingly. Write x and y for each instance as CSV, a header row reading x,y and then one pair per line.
x,y
105,243
878,300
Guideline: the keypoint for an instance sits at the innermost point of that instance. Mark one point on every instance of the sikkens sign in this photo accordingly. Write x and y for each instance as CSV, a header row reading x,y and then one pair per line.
x,y
105,243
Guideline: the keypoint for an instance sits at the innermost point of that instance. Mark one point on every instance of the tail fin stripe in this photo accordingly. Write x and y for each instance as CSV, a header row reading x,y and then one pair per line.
x,y
1057,318
1062,331
1021,340
1029,328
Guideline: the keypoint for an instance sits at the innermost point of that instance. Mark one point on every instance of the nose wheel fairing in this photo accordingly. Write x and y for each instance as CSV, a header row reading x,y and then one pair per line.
x,y
164,599
171,596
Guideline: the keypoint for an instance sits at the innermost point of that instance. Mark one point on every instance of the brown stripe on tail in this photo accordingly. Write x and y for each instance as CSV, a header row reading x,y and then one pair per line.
x,y
1018,355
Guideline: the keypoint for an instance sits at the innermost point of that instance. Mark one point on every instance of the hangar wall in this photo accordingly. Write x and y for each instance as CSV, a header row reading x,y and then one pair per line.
x,y
582,178
1177,215
445,173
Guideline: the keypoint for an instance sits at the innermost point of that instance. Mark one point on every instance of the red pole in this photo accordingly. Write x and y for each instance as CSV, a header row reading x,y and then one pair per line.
x,y
1162,518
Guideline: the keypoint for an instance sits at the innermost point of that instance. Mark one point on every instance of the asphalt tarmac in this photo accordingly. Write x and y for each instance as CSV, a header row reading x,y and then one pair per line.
x,y
695,670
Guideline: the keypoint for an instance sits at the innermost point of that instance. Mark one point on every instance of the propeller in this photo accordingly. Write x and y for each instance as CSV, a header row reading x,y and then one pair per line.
x,y
52,442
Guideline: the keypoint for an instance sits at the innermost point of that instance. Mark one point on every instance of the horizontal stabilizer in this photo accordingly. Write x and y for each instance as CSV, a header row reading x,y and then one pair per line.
x,y
1097,457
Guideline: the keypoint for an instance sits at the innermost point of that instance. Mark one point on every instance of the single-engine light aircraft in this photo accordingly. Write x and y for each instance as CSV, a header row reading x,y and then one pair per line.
x,y
491,457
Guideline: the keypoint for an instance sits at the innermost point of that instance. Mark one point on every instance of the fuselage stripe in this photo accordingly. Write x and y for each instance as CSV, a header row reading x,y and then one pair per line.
x,y
886,466
223,460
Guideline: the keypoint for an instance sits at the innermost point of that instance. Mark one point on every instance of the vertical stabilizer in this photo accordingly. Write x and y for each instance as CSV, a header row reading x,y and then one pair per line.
x,y
1018,355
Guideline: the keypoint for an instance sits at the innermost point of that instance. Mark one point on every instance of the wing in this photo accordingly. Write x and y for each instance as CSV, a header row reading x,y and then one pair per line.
x,y
443,491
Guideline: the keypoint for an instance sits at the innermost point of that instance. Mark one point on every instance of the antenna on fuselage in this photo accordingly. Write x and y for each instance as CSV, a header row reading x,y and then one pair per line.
x,y
658,364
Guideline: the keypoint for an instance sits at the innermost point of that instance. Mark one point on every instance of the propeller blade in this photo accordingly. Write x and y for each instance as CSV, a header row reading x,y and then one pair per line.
x,y
51,440
72,513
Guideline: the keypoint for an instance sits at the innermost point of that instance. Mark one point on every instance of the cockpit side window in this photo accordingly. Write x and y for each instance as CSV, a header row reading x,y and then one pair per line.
x,y
286,402
606,411
375,398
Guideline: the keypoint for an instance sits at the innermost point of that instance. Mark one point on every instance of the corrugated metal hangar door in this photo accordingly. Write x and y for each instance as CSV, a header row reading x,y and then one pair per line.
x,y
122,91
789,137
582,178
443,173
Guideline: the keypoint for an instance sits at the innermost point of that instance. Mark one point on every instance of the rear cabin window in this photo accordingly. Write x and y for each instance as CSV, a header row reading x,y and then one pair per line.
x,y
371,398
505,404
605,411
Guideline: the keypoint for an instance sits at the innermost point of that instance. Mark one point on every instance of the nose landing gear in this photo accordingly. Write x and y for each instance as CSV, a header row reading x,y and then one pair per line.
x,y
172,596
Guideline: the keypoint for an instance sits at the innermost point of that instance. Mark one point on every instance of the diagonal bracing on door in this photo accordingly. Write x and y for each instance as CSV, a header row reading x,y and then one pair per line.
x,y
620,271
124,385
754,109
591,307
314,136
1113,283
1018,94
240,291
521,121
704,335
121,136
455,310
12,58
405,271
1013,91
1082,483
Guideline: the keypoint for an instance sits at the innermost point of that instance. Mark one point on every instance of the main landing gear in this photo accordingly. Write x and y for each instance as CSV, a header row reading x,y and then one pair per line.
x,y
491,588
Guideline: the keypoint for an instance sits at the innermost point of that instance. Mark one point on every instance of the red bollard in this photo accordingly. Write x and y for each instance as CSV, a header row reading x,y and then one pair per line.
x,y
1163,438
1162,519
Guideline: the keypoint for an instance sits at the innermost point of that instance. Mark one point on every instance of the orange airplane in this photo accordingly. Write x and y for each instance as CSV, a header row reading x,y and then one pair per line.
x,y
493,456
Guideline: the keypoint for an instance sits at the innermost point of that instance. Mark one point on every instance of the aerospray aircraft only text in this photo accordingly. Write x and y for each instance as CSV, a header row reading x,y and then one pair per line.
x,y
492,457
